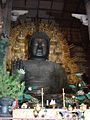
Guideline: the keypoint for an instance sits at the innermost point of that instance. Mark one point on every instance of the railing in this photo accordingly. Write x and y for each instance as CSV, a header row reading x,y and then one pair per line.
x,y
11,118
47,114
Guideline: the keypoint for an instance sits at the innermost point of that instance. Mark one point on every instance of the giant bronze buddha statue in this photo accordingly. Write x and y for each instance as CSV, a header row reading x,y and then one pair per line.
x,y
39,71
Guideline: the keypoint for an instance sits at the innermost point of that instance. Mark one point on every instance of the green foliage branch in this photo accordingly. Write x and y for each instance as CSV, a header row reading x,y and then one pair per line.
x,y
10,85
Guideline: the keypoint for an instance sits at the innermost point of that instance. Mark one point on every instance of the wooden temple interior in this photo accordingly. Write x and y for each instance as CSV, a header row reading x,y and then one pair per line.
x,y
69,37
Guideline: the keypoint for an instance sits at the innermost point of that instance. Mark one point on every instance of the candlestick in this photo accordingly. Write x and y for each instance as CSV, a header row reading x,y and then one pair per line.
x,y
42,96
63,98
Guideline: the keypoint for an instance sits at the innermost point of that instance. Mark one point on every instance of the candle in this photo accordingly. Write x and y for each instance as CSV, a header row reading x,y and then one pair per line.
x,y
47,102
63,90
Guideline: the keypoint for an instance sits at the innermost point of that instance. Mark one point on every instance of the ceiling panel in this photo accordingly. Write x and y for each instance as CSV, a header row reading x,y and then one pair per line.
x,y
43,14
18,3
32,3
32,13
57,5
45,4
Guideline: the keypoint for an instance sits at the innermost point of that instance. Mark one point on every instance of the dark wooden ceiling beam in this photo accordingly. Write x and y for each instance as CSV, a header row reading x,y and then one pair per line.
x,y
55,0
69,20
43,9
50,8
64,6
25,2
38,9
37,16
78,5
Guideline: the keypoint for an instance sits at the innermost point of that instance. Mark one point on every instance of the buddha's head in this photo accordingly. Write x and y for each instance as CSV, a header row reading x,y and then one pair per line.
x,y
39,46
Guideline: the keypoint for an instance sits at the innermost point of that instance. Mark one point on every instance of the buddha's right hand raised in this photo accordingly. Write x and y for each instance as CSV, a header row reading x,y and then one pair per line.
x,y
16,65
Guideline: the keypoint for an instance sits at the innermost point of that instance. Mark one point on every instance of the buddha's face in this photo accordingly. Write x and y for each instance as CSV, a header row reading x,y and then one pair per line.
x,y
39,48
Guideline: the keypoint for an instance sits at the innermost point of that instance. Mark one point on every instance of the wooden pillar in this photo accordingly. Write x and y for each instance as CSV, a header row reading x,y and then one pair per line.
x,y
6,14
87,3
1,22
